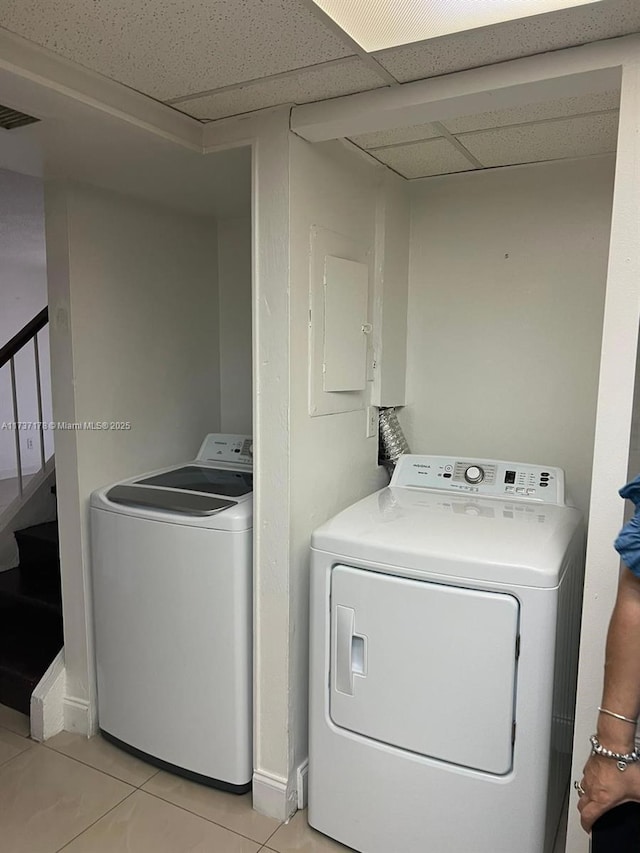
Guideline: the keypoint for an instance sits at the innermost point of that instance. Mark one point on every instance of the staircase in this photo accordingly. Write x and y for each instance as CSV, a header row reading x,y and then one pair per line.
x,y
30,615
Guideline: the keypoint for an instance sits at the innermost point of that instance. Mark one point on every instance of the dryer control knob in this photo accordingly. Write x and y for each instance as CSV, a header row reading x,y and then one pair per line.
x,y
474,474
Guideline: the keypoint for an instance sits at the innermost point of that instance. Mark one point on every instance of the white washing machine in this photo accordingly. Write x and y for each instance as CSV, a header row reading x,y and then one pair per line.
x,y
172,588
444,628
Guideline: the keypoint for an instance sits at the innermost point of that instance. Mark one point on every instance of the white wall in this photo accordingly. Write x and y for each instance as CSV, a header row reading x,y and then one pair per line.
x,y
333,463
234,282
23,294
134,338
507,282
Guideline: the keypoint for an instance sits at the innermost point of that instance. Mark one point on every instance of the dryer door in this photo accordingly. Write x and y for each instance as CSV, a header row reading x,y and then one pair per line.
x,y
425,667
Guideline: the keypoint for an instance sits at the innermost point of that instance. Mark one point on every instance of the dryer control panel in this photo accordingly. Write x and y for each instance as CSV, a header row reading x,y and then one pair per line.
x,y
482,477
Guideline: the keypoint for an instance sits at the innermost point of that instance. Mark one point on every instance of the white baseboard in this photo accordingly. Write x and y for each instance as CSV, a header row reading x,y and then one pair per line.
x,y
79,716
302,777
272,797
47,701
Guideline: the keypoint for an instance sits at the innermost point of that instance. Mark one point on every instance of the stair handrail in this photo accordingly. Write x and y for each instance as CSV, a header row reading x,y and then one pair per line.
x,y
8,352
22,338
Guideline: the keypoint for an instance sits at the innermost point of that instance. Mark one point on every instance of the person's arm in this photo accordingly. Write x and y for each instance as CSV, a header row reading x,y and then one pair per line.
x,y
604,784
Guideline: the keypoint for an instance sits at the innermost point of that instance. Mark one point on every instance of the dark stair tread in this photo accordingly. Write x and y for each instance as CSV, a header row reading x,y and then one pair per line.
x,y
28,644
28,640
38,592
47,532
31,632
39,551
16,690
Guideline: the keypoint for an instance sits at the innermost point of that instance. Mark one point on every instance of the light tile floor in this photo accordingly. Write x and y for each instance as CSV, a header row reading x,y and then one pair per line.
x,y
86,796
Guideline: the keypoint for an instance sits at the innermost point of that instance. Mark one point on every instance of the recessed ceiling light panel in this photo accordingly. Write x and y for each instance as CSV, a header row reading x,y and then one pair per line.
x,y
380,24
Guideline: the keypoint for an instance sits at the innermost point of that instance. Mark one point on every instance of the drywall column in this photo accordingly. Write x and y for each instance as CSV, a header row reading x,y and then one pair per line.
x,y
134,341
611,450
274,791
334,195
80,705
391,292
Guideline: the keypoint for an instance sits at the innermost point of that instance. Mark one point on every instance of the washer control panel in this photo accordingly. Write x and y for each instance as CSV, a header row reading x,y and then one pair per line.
x,y
222,447
483,477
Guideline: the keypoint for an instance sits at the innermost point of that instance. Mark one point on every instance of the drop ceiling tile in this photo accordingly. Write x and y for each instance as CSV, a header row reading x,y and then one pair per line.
x,y
309,84
168,49
538,34
424,159
536,112
552,140
396,136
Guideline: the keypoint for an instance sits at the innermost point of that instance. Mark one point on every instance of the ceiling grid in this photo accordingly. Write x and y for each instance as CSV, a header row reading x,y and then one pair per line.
x,y
554,130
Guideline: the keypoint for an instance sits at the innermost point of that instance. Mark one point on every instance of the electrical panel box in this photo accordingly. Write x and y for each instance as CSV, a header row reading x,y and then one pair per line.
x,y
340,328
346,290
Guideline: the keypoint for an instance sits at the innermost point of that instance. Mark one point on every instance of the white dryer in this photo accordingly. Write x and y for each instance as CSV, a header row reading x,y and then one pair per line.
x,y
172,590
444,629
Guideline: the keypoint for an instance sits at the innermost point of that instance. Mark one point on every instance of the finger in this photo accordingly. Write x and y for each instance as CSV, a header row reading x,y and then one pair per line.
x,y
583,798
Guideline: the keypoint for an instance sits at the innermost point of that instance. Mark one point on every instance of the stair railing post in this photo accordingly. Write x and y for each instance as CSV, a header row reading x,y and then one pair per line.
x,y
36,354
14,395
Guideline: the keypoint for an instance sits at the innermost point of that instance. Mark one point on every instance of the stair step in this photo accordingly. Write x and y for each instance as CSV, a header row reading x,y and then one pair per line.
x,y
39,549
42,593
46,532
29,641
30,615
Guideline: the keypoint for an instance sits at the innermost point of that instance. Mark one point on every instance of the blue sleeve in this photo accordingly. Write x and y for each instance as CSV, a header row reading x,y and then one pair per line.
x,y
628,543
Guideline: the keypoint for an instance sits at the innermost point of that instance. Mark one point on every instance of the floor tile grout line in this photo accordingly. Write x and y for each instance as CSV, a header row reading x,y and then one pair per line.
x,y
11,757
99,769
97,820
14,732
279,826
215,822
153,776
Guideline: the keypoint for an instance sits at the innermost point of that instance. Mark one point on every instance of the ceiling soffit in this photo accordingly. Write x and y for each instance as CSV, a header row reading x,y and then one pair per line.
x,y
318,83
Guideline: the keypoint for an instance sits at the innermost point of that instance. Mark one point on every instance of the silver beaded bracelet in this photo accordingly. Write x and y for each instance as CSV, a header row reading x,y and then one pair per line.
x,y
622,759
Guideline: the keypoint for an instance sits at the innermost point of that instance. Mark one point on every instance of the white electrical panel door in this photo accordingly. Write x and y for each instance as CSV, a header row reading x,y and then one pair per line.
x,y
346,291
425,667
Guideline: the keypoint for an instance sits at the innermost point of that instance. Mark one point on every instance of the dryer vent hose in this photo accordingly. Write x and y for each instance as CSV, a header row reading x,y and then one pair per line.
x,y
391,441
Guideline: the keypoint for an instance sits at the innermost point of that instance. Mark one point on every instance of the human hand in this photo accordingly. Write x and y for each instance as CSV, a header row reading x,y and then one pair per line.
x,y
606,787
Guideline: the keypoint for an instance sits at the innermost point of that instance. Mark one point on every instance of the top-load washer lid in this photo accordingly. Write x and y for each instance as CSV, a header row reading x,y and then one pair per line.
x,y
168,500
196,478
214,491
448,532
